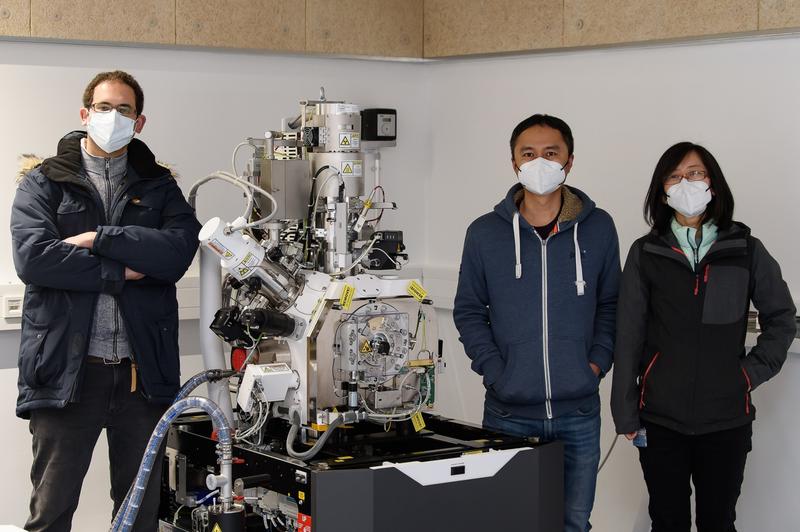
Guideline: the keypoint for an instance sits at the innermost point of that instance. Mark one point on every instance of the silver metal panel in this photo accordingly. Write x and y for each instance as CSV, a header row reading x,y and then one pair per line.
x,y
290,183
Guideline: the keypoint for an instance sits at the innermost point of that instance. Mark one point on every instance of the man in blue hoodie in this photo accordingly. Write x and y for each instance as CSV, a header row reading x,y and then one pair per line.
x,y
536,306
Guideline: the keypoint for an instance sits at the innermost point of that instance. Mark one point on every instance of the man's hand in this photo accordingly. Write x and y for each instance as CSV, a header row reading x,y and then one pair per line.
x,y
595,369
630,436
131,275
83,240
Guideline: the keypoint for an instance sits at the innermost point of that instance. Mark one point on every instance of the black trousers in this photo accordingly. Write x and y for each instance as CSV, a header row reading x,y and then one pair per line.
x,y
64,438
715,465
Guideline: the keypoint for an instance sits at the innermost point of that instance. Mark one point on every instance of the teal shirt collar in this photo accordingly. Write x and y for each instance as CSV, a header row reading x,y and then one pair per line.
x,y
687,239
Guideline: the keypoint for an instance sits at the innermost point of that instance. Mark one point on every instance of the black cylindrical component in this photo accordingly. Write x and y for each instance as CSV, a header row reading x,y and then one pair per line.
x,y
352,394
268,322
242,483
232,520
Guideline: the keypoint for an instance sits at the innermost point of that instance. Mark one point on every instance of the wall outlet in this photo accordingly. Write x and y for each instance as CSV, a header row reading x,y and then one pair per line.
x,y
12,306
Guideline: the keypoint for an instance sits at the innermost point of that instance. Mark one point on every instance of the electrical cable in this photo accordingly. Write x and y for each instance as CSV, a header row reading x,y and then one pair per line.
x,y
222,176
388,256
608,454
346,417
235,151
322,186
253,350
377,219
175,517
261,191
247,188
400,416
204,499
312,206
357,261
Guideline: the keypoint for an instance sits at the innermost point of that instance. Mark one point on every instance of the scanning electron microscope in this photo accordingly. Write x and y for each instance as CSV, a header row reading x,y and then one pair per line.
x,y
322,363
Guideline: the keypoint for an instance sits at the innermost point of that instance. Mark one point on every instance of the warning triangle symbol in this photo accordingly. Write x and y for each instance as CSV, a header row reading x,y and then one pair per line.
x,y
347,169
345,141
216,528
365,347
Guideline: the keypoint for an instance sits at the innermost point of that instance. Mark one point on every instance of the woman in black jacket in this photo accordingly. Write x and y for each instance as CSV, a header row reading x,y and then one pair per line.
x,y
682,378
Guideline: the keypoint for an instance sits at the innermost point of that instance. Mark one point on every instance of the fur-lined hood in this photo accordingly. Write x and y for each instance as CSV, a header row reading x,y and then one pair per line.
x,y
29,161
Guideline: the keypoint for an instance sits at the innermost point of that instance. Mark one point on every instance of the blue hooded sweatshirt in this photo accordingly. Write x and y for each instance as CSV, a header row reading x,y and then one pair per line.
x,y
533,313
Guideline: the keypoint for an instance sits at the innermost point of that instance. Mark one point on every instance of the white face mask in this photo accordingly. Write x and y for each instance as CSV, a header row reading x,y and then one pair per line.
x,y
541,176
689,197
110,131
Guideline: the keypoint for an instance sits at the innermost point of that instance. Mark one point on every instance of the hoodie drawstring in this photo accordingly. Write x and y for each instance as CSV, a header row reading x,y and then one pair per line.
x,y
580,284
518,266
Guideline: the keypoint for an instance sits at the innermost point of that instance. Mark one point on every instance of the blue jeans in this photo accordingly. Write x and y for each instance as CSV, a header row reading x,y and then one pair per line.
x,y
580,432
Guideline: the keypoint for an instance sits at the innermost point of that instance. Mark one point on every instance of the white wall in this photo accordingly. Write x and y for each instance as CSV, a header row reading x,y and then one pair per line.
x,y
626,106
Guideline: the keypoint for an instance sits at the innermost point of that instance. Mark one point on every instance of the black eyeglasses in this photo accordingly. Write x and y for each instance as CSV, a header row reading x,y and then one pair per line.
x,y
105,107
691,175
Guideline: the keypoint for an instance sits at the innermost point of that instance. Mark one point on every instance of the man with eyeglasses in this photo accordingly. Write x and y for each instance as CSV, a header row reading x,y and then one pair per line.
x,y
100,233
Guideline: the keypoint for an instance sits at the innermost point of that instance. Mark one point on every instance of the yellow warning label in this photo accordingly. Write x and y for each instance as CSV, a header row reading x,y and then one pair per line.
x,y
216,528
418,422
345,141
347,169
416,291
244,271
346,300
301,495
365,347
418,363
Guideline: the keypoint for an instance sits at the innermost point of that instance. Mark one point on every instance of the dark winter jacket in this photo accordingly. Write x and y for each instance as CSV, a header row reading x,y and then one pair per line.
x,y
152,230
680,359
518,309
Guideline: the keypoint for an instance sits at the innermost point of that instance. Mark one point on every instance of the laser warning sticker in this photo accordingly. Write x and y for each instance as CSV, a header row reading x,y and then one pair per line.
x,y
350,140
416,291
365,347
216,528
346,300
221,250
249,262
352,168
